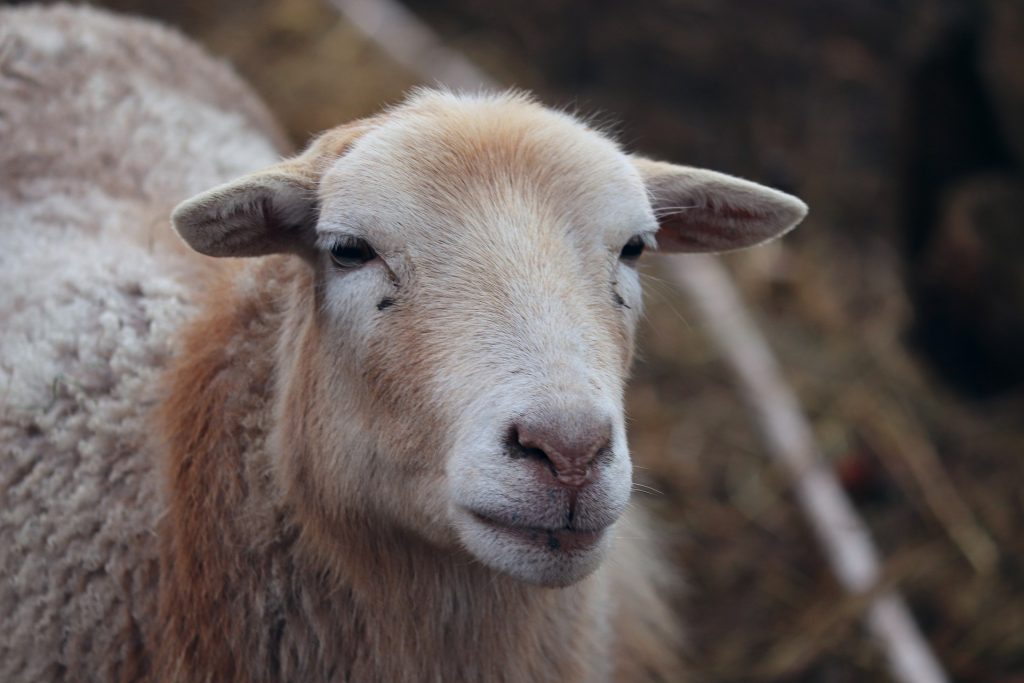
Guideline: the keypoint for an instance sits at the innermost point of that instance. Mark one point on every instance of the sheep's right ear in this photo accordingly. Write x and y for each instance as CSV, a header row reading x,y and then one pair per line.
x,y
705,211
268,212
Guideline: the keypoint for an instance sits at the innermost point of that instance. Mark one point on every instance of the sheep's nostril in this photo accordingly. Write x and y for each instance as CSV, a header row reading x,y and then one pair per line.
x,y
567,447
517,450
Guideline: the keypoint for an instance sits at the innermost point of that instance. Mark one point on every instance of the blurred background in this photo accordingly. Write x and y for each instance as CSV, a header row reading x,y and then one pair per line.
x,y
897,310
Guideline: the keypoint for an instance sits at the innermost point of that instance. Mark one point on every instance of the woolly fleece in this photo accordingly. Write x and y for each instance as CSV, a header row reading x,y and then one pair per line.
x,y
106,124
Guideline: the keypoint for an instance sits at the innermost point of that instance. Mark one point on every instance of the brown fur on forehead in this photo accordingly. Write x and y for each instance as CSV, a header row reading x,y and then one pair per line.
x,y
443,151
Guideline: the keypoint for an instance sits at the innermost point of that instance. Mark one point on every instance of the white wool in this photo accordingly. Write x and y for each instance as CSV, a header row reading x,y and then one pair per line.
x,y
97,148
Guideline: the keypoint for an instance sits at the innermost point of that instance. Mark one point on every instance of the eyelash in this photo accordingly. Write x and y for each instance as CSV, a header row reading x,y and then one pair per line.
x,y
350,252
634,248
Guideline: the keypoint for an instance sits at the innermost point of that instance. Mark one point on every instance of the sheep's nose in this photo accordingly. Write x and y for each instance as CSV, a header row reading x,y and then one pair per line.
x,y
567,447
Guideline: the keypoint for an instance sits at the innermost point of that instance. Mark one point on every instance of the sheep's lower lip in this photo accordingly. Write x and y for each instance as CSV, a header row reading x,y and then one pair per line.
x,y
565,539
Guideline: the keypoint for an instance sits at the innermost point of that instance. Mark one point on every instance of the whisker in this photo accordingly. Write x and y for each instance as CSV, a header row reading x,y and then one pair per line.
x,y
664,298
667,210
644,488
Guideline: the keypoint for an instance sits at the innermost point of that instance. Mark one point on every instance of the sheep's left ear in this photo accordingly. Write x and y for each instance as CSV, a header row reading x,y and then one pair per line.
x,y
704,211
268,212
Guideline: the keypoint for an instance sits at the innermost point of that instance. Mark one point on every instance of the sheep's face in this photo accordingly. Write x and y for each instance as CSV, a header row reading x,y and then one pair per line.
x,y
479,275
475,297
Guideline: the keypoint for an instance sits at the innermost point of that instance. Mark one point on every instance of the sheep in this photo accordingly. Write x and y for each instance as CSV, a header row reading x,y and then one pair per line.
x,y
383,440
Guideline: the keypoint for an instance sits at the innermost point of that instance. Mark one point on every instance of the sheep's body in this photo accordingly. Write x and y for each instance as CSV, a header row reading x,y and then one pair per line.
x,y
107,123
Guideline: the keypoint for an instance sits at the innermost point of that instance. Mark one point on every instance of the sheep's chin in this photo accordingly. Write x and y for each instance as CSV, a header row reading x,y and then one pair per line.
x,y
551,558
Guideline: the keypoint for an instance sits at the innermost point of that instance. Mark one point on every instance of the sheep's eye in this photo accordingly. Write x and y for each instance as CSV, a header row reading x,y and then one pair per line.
x,y
352,253
632,249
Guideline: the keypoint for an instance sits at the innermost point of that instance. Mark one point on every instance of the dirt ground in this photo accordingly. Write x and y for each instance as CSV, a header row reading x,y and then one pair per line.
x,y
895,310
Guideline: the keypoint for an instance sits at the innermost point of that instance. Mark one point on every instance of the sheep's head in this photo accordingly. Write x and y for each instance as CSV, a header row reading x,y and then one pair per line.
x,y
458,361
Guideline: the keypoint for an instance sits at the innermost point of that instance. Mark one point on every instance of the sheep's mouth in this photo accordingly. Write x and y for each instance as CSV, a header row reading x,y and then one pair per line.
x,y
562,540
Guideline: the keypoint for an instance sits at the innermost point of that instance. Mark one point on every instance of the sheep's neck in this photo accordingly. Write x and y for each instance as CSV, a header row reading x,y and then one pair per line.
x,y
252,591
454,618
